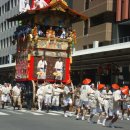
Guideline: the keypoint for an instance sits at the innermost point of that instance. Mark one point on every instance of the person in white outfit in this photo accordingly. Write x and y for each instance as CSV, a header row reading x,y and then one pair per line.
x,y
116,105
16,93
49,92
42,66
5,91
56,96
40,96
92,99
59,69
27,6
40,4
67,99
108,104
100,105
124,103
84,99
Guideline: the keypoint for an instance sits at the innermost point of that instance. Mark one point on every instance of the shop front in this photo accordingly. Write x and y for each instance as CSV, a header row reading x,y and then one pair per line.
x,y
108,64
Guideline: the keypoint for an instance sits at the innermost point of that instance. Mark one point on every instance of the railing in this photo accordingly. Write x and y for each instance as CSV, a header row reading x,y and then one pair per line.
x,y
120,40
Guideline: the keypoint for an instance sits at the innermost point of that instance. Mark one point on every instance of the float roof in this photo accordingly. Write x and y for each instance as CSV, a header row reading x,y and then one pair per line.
x,y
59,8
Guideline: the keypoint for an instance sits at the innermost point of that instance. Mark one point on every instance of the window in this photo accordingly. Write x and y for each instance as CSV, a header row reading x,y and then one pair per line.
x,y
1,44
15,2
102,18
3,9
2,27
101,44
8,5
7,42
5,25
8,24
85,27
4,44
86,4
12,3
0,11
85,47
10,40
11,24
0,60
6,59
90,45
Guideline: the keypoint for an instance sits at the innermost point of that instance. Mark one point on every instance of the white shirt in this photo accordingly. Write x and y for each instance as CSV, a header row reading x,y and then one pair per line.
x,y
84,92
16,91
41,3
66,90
59,65
40,91
5,90
117,95
41,64
49,89
57,91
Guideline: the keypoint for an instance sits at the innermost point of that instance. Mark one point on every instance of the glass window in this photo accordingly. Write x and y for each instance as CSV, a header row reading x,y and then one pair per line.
x,y
85,47
12,3
3,9
1,43
8,5
7,42
102,18
15,2
5,25
85,27
8,24
10,40
2,27
4,45
0,60
0,11
90,45
6,59
86,4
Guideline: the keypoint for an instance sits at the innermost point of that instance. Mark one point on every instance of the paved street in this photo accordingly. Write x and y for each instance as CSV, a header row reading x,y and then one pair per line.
x,y
34,120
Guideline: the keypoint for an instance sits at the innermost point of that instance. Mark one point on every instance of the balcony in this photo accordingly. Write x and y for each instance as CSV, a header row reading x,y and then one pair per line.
x,y
99,6
103,33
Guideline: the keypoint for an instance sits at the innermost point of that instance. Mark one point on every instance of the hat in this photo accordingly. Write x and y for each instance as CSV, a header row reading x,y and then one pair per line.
x,y
125,90
101,86
115,86
86,81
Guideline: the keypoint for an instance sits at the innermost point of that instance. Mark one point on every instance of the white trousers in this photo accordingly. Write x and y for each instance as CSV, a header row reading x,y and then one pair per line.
x,y
48,98
55,101
40,101
5,98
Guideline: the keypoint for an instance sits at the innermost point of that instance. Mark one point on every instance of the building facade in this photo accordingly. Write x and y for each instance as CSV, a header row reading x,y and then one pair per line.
x,y
103,42
8,8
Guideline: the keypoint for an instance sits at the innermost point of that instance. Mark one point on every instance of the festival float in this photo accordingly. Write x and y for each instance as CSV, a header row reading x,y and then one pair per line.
x,y
45,31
